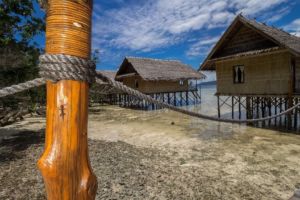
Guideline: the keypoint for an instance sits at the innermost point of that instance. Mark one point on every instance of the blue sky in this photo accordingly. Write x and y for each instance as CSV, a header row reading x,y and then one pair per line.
x,y
176,29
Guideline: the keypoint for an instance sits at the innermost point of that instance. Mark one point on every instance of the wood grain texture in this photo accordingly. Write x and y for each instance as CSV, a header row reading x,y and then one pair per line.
x,y
65,164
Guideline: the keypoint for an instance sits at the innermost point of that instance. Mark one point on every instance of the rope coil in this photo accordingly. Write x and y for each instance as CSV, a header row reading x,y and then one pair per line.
x,y
56,67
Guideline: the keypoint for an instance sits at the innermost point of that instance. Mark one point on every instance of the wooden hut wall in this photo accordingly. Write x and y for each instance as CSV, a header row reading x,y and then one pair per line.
x,y
263,75
155,86
297,75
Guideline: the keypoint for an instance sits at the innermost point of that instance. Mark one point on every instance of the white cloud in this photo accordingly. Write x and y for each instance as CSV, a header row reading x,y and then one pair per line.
x,y
294,27
202,47
149,25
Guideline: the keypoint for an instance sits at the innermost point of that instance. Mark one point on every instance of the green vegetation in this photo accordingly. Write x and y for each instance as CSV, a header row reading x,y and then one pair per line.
x,y
19,53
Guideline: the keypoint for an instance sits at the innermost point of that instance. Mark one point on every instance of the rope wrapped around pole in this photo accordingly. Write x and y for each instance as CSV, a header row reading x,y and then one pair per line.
x,y
55,67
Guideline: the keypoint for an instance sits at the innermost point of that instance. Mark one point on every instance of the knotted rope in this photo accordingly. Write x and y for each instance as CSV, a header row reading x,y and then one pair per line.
x,y
64,67
56,67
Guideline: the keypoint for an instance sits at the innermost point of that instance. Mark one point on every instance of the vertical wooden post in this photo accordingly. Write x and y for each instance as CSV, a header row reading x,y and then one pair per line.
x,y
280,110
181,99
187,97
175,99
219,111
263,109
65,165
270,110
285,108
296,115
275,102
240,114
232,107
249,108
257,107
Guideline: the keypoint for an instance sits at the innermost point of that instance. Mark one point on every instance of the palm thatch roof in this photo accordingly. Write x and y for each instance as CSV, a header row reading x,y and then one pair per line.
x,y
157,70
282,40
104,88
109,74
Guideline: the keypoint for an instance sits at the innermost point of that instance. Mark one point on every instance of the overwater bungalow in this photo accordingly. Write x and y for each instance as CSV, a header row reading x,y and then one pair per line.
x,y
167,80
257,68
104,93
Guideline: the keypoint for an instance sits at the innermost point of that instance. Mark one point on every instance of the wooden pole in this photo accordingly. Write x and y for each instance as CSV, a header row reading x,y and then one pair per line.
x,y
175,101
275,109
240,114
295,115
65,165
219,111
232,107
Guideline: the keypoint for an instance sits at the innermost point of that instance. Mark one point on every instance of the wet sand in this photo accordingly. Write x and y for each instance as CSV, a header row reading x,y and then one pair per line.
x,y
141,155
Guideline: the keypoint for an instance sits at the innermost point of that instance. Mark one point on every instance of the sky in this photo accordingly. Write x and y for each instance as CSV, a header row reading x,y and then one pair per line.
x,y
184,30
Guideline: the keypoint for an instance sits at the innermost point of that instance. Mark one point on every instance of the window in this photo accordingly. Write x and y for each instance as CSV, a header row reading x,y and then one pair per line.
x,y
136,83
238,74
181,82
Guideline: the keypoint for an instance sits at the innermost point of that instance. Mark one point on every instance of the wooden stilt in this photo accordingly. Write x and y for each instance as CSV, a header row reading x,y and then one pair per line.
x,y
248,109
295,115
175,101
239,101
275,110
152,105
269,110
285,116
280,110
64,164
232,107
219,111
289,116
187,97
181,99
257,107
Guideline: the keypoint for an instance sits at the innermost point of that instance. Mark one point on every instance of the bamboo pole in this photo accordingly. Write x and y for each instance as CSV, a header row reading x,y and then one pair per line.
x,y
65,165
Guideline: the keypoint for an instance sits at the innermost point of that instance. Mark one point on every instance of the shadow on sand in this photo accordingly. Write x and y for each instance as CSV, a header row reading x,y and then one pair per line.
x,y
13,146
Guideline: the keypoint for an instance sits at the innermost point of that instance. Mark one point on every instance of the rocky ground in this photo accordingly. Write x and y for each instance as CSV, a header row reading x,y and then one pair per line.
x,y
142,156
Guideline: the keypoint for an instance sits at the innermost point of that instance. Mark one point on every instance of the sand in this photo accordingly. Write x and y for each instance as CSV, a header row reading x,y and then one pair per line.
x,y
141,155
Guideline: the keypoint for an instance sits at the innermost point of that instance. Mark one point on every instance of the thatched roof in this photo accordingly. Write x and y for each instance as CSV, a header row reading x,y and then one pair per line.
x,y
109,74
281,38
105,88
155,69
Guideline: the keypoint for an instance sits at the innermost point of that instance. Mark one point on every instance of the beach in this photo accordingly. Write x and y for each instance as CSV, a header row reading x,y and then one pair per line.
x,y
162,155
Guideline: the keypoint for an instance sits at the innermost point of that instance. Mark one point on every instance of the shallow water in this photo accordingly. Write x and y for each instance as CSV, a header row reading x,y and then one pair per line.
x,y
240,157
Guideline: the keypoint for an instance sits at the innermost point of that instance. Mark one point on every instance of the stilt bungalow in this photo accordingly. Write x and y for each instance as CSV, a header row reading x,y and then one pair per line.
x,y
104,93
167,80
258,70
